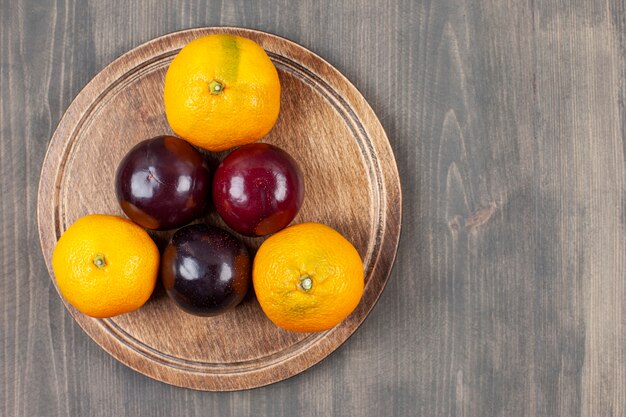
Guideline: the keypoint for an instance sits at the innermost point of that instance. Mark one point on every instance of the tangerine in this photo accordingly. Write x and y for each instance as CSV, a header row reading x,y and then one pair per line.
x,y
307,277
105,265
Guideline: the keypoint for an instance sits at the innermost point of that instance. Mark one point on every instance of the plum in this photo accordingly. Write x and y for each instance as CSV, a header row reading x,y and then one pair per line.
x,y
258,189
205,270
163,183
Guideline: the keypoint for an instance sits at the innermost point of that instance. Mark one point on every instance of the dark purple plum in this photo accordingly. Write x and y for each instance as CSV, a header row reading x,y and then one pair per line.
x,y
163,183
258,189
205,270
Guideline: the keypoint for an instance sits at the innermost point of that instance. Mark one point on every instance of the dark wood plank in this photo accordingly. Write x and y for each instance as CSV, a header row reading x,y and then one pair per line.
x,y
509,127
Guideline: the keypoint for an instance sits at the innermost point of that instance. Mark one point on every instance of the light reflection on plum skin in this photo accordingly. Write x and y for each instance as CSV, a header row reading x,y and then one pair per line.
x,y
163,183
258,189
205,270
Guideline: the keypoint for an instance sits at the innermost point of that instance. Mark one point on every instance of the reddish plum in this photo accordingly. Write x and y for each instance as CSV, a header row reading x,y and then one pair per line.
x,y
258,189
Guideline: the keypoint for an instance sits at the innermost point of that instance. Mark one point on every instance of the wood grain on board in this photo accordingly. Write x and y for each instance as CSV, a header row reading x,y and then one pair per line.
x,y
508,124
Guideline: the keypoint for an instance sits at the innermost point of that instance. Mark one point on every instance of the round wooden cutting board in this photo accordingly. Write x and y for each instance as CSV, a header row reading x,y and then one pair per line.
x,y
351,182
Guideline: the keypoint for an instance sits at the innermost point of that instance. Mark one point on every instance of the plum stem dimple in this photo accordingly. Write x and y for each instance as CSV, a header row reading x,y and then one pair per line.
x,y
306,283
99,261
216,87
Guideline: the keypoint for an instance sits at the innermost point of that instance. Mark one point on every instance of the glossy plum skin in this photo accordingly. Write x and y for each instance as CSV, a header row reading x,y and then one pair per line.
x,y
205,270
258,189
163,183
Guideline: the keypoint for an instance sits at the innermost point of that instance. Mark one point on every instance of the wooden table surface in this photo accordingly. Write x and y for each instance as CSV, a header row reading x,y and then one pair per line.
x,y
508,122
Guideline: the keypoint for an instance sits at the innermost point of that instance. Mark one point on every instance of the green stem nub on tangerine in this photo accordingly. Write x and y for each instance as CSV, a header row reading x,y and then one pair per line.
x,y
306,283
99,261
216,87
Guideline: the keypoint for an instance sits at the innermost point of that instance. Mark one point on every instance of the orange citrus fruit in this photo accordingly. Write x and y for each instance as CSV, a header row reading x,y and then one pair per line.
x,y
307,277
221,91
105,265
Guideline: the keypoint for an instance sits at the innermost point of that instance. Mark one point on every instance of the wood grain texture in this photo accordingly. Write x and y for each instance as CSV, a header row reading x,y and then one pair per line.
x,y
508,122
351,183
